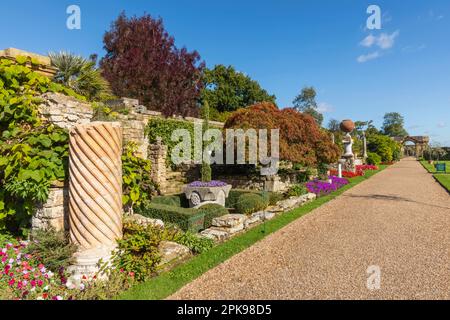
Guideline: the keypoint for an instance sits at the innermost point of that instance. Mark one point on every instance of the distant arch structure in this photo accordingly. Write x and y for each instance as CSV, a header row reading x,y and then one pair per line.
x,y
421,143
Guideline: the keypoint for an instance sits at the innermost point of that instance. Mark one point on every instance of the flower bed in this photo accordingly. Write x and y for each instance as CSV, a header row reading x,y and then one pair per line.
x,y
210,184
348,174
321,188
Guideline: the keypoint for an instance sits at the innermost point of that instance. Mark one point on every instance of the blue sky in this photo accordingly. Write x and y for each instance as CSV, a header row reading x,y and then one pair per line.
x,y
285,45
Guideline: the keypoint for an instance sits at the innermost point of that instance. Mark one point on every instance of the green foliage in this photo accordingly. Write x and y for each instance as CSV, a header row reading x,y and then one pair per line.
x,y
305,102
7,238
186,219
228,90
118,281
384,146
80,75
212,211
275,197
235,194
52,249
177,200
393,125
194,242
297,190
164,128
138,250
305,175
137,183
33,154
373,158
250,203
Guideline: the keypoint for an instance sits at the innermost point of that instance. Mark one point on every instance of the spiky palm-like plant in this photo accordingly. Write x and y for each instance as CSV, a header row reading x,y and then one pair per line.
x,y
80,74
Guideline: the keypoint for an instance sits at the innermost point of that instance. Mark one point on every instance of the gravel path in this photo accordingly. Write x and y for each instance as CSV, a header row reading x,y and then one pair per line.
x,y
398,220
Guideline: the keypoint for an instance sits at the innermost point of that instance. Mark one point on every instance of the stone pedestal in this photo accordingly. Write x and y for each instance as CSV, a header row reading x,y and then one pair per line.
x,y
199,196
95,193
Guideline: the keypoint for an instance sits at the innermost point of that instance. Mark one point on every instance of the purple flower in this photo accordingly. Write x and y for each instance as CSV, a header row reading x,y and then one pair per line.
x,y
211,184
325,187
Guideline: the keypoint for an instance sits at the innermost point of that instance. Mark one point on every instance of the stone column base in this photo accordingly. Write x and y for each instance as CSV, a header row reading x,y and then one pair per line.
x,y
87,263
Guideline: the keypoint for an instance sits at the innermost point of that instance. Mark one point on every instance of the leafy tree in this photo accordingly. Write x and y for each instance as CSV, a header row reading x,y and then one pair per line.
x,y
393,125
301,139
334,125
384,146
228,90
143,62
80,75
306,102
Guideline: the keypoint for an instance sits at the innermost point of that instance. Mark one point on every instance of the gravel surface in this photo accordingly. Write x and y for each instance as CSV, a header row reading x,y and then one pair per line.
x,y
398,220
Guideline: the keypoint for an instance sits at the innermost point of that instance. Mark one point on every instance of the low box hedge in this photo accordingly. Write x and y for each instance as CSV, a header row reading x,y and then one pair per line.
x,y
268,197
212,211
176,200
186,219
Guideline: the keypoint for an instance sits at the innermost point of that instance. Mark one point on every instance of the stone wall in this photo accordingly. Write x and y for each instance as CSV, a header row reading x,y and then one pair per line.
x,y
64,111
278,183
53,213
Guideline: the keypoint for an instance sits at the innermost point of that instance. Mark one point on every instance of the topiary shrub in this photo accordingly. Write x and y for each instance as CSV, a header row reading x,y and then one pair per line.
x,y
177,200
212,211
186,219
373,159
250,203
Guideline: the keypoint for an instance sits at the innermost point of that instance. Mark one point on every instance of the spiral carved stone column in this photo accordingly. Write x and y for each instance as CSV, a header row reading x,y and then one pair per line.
x,y
95,192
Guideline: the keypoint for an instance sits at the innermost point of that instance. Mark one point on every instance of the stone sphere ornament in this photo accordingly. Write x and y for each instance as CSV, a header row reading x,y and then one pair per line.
x,y
347,126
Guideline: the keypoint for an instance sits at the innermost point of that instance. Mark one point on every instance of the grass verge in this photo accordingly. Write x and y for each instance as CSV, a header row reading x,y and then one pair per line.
x,y
168,283
430,168
444,180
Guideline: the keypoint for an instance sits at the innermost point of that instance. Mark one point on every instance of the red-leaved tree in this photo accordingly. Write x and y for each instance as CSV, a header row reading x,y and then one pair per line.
x,y
301,139
142,62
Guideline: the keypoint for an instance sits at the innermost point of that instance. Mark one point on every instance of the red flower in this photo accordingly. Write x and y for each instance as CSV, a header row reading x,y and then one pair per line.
x,y
45,295
132,274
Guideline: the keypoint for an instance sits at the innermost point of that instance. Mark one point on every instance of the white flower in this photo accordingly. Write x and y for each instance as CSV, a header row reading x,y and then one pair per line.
x,y
39,298
50,274
45,288
11,261
4,250
59,298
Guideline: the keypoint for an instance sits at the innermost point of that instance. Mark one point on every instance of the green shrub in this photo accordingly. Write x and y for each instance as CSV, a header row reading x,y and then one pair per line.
x,y
7,238
234,195
177,200
138,185
373,159
163,128
250,203
275,197
194,242
138,250
297,190
52,249
186,219
212,211
304,176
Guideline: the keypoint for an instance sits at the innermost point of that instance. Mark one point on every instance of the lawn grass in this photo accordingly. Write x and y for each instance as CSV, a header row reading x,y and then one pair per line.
x,y
444,180
430,167
168,283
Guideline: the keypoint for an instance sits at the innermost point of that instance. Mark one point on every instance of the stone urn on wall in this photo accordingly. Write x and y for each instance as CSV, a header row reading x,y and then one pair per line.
x,y
201,193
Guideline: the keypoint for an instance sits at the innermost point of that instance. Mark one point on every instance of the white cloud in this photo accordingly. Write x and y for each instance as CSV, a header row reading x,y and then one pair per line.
x,y
441,124
324,107
367,57
383,41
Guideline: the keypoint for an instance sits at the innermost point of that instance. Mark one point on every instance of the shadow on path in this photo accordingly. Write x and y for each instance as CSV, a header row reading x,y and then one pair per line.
x,y
392,198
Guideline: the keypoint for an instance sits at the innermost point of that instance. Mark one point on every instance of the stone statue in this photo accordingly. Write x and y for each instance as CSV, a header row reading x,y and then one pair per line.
x,y
348,158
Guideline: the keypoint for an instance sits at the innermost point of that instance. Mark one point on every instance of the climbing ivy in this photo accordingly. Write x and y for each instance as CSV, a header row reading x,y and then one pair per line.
x,y
33,155
137,182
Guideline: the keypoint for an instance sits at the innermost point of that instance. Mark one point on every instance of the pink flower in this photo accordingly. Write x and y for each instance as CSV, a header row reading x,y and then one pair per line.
x,y
33,283
40,283
11,282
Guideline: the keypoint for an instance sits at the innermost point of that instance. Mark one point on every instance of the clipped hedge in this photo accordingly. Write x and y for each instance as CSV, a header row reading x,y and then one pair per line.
x,y
212,211
176,200
269,198
250,203
186,219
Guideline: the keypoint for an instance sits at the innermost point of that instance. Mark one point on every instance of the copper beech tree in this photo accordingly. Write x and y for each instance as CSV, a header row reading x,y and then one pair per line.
x,y
301,139
143,62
